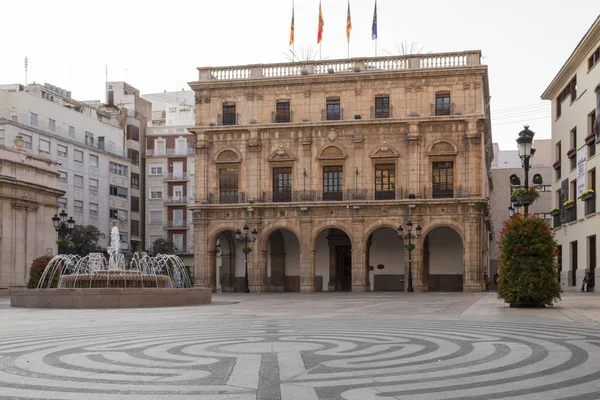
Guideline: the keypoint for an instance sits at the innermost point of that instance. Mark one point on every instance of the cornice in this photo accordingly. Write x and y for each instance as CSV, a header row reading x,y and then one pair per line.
x,y
586,45
337,77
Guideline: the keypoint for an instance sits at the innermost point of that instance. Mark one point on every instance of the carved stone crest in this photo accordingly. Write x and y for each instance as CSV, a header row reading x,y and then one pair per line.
x,y
332,135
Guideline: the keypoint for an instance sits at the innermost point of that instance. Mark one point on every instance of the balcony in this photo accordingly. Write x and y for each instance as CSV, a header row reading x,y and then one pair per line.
x,y
175,200
170,152
187,152
183,176
590,205
340,66
227,197
185,250
282,116
180,224
570,214
299,196
556,221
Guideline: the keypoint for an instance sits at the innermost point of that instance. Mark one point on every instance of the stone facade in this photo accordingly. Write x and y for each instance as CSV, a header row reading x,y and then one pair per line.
x,y
28,198
363,144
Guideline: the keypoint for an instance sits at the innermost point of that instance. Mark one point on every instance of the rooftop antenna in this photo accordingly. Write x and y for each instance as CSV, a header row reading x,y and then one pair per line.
x,y
26,66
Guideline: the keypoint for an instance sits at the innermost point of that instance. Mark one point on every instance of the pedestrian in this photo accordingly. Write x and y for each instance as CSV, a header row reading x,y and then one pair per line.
x,y
584,284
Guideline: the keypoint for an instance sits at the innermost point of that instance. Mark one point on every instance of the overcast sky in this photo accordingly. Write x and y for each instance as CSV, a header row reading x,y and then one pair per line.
x,y
156,46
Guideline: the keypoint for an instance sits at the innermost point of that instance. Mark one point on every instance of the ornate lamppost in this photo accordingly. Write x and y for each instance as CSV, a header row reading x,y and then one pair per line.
x,y
63,226
524,144
409,236
245,238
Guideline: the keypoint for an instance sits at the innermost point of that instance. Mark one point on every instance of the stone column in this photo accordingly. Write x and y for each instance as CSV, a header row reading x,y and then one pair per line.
x,y
331,285
359,269
201,256
307,258
417,266
257,269
473,257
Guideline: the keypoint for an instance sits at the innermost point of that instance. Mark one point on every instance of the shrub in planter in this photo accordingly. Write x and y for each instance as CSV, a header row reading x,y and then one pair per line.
x,y
37,269
586,194
568,203
528,268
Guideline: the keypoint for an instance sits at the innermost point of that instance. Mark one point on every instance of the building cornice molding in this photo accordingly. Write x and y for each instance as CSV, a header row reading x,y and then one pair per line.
x,y
586,45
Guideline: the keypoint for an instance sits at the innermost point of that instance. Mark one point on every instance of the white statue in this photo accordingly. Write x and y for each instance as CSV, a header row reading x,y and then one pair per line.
x,y
113,248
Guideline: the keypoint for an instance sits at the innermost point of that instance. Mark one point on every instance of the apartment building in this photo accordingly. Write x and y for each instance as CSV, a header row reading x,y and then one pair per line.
x,y
575,96
87,144
170,175
505,167
325,160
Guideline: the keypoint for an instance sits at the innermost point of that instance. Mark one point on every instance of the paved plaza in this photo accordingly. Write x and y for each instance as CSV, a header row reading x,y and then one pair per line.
x,y
295,346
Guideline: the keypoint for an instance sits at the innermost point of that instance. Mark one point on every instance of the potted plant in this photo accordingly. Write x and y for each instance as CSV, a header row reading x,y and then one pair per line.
x,y
556,164
571,153
525,196
589,139
587,195
569,204
555,211
528,274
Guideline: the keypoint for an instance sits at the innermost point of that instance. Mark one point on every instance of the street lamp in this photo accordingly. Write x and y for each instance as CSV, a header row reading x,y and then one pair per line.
x,y
245,238
62,225
409,236
524,144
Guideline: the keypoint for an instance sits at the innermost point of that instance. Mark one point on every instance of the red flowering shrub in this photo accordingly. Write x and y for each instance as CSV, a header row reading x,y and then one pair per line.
x,y
37,269
528,268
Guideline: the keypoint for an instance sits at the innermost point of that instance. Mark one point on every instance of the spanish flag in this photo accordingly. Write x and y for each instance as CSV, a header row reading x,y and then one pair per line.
x,y
321,24
348,23
292,28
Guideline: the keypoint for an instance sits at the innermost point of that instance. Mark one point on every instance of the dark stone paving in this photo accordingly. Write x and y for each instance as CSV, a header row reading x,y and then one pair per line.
x,y
298,347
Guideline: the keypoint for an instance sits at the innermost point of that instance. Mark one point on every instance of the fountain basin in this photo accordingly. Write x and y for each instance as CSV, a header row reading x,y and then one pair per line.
x,y
108,297
115,279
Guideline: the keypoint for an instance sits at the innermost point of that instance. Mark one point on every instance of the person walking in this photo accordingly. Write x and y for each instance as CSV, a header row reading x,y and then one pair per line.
x,y
584,284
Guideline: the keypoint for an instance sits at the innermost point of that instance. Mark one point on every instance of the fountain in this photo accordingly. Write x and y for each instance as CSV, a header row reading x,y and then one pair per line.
x,y
95,282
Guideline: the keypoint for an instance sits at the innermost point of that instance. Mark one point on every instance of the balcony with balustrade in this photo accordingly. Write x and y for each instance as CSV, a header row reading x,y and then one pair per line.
x,y
178,224
341,66
176,177
436,192
175,200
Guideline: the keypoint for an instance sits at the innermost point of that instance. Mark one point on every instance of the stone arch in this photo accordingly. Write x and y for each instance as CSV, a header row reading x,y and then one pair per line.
x,y
264,234
443,263
429,226
373,227
316,231
332,151
226,259
228,155
384,252
282,250
443,147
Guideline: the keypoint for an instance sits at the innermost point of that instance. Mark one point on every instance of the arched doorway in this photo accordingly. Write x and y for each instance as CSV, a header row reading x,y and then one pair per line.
x,y
333,261
443,264
283,261
385,258
229,268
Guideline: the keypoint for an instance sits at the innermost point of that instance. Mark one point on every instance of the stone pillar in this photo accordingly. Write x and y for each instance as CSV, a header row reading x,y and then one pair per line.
x,y
417,266
331,286
307,258
201,245
359,269
257,269
473,256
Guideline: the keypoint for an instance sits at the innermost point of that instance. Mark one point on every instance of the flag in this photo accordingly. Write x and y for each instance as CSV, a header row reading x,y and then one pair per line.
x,y
321,24
292,28
348,23
374,27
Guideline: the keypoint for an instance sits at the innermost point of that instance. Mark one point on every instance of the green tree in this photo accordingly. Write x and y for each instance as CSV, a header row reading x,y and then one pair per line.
x,y
82,241
528,268
163,246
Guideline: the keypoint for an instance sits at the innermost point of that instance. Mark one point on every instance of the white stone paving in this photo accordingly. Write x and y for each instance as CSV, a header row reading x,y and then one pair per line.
x,y
304,347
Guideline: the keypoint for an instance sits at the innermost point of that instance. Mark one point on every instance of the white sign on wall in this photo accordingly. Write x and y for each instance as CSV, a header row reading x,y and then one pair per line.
x,y
581,171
